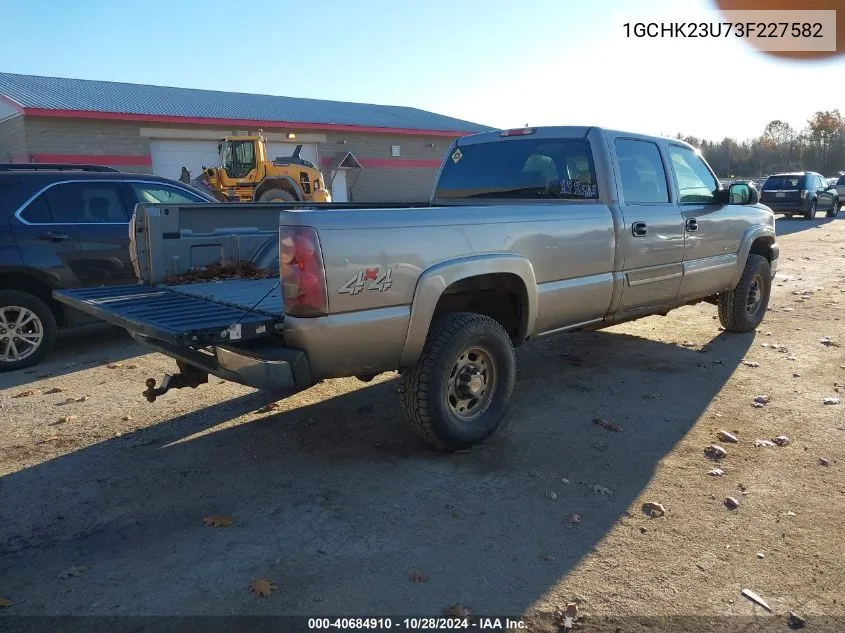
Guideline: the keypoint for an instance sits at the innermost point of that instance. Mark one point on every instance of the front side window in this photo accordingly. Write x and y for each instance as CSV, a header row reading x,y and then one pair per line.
x,y
521,169
641,168
156,194
696,184
87,203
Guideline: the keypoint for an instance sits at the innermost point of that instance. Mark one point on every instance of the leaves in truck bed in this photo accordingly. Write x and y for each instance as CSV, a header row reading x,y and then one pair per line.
x,y
224,269
5,602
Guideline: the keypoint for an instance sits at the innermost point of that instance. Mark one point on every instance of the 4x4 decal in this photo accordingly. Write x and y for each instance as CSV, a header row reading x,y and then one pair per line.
x,y
368,279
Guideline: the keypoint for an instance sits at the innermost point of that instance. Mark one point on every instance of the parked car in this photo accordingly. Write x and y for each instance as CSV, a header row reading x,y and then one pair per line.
x,y
529,232
64,226
803,193
840,187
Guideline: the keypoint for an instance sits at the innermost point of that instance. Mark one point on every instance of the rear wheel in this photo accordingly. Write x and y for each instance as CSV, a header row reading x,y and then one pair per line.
x,y
742,309
834,210
810,213
457,394
27,330
277,195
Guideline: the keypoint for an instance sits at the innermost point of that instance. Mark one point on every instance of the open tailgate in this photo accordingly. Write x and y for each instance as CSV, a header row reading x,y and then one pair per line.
x,y
164,314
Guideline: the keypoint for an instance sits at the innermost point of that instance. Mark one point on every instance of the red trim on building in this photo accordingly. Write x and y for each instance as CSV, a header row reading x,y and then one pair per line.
x,y
184,120
409,163
94,159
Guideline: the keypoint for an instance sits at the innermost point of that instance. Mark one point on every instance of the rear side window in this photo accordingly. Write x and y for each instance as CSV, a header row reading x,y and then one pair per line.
x,y
37,211
782,183
641,168
87,203
522,169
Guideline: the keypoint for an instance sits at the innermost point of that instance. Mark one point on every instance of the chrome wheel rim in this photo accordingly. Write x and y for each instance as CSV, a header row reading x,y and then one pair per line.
x,y
21,333
755,295
471,384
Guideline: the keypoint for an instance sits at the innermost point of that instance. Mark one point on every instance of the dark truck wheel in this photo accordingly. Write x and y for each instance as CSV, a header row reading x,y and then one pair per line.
x,y
457,394
742,309
834,210
276,195
27,330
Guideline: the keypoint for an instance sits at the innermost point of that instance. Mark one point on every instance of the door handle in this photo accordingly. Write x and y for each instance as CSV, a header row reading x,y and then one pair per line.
x,y
50,236
692,224
639,229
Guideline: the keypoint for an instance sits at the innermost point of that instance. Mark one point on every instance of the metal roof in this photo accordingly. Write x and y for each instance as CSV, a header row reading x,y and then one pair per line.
x,y
58,94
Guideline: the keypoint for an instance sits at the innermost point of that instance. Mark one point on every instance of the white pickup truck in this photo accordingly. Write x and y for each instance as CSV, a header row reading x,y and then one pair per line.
x,y
529,232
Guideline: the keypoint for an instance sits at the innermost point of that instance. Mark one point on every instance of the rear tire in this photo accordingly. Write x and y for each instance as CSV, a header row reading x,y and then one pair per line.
x,y
277,195
457,394
30,343
834,210
810,213
742,309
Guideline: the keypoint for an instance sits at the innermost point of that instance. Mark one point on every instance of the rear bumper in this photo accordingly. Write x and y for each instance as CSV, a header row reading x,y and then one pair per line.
x,y
259,364
795,206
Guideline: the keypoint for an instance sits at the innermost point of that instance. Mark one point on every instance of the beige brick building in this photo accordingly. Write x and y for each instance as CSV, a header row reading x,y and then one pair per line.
x,y
396,151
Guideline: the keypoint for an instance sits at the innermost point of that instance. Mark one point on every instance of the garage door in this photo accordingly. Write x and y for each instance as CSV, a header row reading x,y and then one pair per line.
x,y
169,156
280,150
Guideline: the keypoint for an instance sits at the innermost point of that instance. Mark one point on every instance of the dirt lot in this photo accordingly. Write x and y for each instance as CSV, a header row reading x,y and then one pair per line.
x,y
338,503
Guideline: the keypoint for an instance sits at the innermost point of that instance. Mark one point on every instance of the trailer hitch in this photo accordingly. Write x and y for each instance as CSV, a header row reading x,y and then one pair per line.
x,y
188,376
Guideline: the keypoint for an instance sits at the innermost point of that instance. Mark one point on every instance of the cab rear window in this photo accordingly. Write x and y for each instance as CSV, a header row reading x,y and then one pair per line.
x,y
521,169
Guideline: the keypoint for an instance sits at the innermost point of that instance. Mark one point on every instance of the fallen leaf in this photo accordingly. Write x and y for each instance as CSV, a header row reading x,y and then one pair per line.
x,y
564,481
270,406
791,514
715,452
761,555
25,394
63,420
551,496
418,577
218,520
716,472
5,602
262,587
795,621
126,418
573,519
758,443
456,610
82,398
53,390
749,363
654,509
564,618
731,503
687,344
831,400
607,425
763,399
132,367
781,440
601,490
114,365
726,437
72,572
755,598
823,462
828,342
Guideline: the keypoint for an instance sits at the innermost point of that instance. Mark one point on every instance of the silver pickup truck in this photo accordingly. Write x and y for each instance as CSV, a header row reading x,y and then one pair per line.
x,y
529,232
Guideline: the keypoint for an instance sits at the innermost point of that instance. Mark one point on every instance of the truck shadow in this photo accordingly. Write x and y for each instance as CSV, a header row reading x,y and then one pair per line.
x,y
96,344
786,226
337,501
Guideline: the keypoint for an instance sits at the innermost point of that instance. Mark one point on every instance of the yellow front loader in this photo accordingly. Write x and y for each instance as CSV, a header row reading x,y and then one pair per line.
x,y
246,175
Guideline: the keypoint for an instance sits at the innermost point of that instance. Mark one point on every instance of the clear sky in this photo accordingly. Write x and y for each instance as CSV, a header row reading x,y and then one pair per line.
x,y
502,63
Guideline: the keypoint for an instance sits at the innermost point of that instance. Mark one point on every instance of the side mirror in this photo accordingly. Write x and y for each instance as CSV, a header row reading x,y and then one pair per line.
x,y
742,193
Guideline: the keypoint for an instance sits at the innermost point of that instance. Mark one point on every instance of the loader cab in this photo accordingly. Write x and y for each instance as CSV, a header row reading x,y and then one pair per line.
x,y
240,155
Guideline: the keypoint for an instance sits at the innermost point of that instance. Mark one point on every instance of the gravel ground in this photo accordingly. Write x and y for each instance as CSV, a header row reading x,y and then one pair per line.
x,y
337,503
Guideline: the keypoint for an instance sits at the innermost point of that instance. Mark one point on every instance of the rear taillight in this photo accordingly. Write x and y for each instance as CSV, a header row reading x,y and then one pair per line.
x,y
303,275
